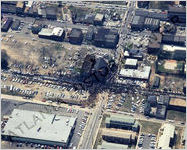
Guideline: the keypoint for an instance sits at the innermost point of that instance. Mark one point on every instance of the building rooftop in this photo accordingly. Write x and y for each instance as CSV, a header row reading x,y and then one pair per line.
x,y
142,73
50,32
151,21
132,62
51,11
107,145
171,48
42,126
118,133
120,118
99,17
76,33
138,20
161,111
20,4
167,133
178,102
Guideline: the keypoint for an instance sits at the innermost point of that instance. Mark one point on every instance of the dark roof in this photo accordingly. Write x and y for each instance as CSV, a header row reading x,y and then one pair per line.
x,y
9,2
51,11
152,100
7,24
15,24
138,20
155,40
164,100
173,9
88,64
156,82
161,111
173,38
6,8
100,63
152,14
89,34
76,33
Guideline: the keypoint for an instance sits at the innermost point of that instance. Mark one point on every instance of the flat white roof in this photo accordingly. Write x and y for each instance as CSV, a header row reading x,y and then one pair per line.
x,y
130,61
168,132
40,126
142,73
99,16
57,31
171,48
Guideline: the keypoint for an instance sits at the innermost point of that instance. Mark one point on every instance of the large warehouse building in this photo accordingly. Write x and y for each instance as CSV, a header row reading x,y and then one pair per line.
x,y
37,127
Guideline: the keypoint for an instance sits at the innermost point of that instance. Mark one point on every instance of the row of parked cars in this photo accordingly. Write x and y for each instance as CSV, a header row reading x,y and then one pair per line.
x,y
144,138
37,146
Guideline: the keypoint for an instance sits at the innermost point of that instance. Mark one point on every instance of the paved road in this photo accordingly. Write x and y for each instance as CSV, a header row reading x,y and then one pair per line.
x,y
91,131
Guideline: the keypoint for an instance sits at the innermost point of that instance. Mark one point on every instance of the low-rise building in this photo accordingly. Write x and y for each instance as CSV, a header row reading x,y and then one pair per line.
x,y
174,39
131,63
7,24
152,100
137,23
6,8
56,34
139,74
20,6
51,13
76,36
107,38
156,82
154,43
134,54
161,111
167,134
177,14
120,137
172,52
177,104
152,24
98,20
122,122
108,145
39,128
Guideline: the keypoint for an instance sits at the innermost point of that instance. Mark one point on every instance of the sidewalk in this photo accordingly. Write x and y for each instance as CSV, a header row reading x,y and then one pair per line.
x,y
18,98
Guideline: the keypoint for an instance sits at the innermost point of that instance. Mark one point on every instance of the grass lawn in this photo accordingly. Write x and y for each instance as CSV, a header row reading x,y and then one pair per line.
x,y
98,140
176,115
103,120
150,127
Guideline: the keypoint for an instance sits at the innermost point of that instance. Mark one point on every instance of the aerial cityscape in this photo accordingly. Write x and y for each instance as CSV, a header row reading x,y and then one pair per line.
x,y
93,74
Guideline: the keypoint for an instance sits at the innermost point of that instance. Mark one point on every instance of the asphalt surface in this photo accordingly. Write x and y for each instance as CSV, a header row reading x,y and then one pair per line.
x,y
88,140
7,107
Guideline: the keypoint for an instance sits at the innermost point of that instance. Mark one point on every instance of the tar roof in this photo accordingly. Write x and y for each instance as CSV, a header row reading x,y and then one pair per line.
x,y
37,125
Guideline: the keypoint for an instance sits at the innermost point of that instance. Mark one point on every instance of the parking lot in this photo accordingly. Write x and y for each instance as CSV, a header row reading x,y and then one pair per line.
x,y
7,107
133,103
147,141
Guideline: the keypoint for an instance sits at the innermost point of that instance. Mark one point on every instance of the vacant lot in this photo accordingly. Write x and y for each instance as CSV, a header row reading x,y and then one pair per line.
x,y
150,127
176,115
